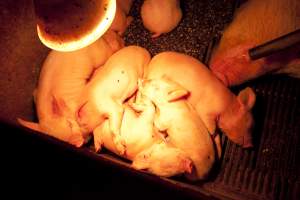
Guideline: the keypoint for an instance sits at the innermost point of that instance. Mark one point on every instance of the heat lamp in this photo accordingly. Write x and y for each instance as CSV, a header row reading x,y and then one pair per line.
x,y
68,25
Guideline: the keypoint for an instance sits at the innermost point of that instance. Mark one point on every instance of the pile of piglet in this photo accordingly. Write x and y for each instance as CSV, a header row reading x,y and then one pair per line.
x,y
161,113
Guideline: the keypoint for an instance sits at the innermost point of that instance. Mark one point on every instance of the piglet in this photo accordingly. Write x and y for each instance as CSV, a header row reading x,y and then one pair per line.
x,y
255,23
143,145
161,16
213,101
62,80
136,130
184,128
110,86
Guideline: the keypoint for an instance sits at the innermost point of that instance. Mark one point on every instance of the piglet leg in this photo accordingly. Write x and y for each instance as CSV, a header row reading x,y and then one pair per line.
x,y
97,133
115,114
218,145
31,125
88,116
76,139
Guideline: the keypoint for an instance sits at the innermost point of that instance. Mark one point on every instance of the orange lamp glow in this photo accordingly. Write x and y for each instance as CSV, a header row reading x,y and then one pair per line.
x,y
68,25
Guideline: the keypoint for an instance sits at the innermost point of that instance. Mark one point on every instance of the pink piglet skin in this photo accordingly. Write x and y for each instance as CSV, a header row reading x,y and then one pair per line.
x,y
180,121
62,80
161,16
110,86
214,102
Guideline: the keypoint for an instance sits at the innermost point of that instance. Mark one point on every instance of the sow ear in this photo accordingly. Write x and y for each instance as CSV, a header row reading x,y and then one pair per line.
x,y
247,97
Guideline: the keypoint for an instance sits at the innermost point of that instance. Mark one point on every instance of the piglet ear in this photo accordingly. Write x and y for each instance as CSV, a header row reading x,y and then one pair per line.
x,y
175,91
176,94
58,106
247,97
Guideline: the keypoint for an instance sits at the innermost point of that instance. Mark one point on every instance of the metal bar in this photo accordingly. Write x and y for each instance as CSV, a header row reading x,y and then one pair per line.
x,y
275,45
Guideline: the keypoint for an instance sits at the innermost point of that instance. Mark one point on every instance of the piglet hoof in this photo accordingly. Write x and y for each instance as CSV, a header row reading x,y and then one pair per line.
x,y
155,35
97,146
76,140
120,145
